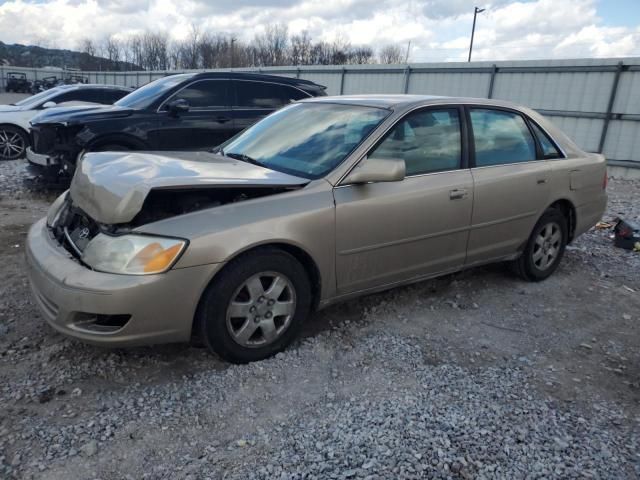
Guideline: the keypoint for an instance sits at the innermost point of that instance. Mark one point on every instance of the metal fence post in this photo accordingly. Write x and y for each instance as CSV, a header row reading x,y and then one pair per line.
x,y
612,100
344,71
407,76
494,70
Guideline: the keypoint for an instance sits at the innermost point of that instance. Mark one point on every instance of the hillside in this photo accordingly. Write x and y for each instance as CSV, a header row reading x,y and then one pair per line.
x,y
31,56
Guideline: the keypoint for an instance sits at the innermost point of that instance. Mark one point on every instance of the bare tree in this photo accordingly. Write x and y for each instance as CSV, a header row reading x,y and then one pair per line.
x,y
360,55
391,54
300,49
154,51
113,49
271,46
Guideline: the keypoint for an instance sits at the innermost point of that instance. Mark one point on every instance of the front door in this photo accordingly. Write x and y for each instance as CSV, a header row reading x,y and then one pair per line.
x,y
511,184
389,232
208,123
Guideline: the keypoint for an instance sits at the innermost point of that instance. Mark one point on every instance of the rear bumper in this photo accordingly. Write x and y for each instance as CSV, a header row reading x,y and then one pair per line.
x,y
589,214
40,159
150,308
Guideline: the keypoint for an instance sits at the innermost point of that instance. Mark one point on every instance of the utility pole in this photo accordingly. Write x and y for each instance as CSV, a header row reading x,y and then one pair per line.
x,y
406,58
476,11
233,40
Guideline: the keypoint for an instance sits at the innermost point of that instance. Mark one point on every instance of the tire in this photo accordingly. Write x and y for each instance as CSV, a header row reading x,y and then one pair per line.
x,y
545,247
13,142
238,314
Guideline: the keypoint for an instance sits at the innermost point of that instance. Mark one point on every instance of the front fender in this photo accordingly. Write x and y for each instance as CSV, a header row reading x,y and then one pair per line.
x,y
303,218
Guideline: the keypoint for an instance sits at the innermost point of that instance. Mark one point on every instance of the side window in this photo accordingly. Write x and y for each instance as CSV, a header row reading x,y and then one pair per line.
x,y
501,137
428,141
264,95
548,148
206,94
112,96
80,95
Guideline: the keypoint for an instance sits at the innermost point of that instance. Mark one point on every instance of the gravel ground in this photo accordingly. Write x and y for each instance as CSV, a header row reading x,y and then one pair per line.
x,y
473,375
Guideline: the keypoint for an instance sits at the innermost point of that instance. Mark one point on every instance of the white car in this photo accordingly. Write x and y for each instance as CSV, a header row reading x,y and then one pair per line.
x,y
15,118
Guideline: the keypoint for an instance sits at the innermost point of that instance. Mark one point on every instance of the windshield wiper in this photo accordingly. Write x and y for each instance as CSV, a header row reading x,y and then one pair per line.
x,y
243,157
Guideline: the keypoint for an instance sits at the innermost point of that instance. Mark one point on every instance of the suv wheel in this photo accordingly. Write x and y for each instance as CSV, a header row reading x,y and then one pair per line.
x,y
13,143
545,247
255,307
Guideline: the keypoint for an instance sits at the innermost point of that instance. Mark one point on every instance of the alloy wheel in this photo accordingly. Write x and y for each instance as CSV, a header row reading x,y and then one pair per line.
x,y
11,145
547,246
261,309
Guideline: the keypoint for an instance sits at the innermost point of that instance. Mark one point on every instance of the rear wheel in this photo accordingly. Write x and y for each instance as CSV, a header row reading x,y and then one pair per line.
x,y
13,143
255,307
545,247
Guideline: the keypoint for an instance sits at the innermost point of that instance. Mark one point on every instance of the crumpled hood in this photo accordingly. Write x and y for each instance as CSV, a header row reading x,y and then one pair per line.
x,y
80,113
111,186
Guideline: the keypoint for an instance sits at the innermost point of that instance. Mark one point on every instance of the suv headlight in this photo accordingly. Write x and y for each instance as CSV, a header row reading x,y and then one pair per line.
x,y
132,254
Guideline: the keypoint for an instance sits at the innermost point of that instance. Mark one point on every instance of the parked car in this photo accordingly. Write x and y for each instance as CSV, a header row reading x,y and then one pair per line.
x,y
17,82
185,111
324,200
14,118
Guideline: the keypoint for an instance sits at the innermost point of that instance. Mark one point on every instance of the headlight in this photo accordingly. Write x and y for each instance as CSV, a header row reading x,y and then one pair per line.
x,y
56,207
132,254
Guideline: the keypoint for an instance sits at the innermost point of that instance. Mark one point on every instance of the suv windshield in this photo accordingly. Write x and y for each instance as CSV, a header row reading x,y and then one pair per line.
x,y
306,139
146,95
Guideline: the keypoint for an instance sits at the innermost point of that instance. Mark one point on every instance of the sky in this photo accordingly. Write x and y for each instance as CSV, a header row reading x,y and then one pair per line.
x,y
437,30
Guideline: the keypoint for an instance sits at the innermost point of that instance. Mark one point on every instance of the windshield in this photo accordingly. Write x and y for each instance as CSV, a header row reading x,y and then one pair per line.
x,y
146,95
38,98
306,139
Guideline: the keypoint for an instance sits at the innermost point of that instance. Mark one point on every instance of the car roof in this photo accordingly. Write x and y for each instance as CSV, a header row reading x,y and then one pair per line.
x,y
79,86
260,77
399,101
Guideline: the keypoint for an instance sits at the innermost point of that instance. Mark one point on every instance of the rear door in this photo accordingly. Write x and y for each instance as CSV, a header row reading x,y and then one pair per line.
x,y
511,183
390,232
257,99
208,122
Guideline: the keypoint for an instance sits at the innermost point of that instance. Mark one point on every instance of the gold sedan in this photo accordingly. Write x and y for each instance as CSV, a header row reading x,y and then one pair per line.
x,y
324,200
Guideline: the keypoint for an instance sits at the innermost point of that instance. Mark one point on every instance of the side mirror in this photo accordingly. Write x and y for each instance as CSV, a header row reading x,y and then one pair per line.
x,y
178,106
49,104
377,170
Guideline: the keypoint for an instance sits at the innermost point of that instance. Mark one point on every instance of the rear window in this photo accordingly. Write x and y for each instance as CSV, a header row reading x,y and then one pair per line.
x,y
501,137
252,94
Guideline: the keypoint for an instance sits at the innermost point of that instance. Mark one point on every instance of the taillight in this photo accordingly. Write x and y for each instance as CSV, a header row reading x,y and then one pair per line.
x,y
605,181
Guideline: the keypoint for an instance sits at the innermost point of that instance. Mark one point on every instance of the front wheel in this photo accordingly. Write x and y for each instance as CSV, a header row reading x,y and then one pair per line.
x,y
13,143
545,247
255,307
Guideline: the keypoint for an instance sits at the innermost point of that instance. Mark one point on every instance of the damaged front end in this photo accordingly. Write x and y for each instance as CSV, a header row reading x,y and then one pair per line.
x,y
56,144
112,194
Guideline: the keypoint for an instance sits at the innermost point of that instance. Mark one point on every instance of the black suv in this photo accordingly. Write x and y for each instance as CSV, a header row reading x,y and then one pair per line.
x,y
180,112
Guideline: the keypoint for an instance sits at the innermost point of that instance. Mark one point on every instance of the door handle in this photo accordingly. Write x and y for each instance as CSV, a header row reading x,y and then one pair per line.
x,y
541,181
222,119
457,193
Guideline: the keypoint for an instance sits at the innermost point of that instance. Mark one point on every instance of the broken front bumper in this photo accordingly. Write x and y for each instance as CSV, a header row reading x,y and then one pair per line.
x,y
109,309
40,159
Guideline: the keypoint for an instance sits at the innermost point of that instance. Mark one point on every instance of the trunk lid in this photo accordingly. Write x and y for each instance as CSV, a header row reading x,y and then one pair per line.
x,y
111,187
